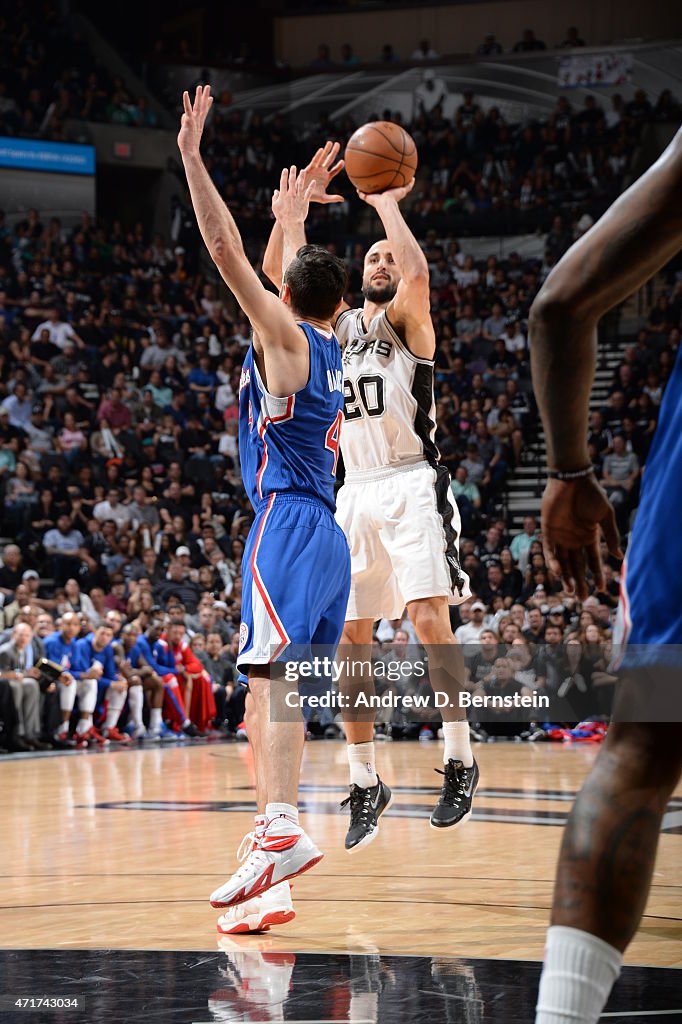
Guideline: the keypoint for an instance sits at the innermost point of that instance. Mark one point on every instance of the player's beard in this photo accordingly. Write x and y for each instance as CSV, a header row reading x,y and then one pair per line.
x,y
380,293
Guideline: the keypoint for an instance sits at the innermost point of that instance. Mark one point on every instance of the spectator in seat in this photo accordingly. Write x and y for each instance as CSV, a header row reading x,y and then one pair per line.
x,y
468,499
62,545
528,43
18,658
535,631
620,473
424,52
572,40
11,573
521,542
489,47
470,632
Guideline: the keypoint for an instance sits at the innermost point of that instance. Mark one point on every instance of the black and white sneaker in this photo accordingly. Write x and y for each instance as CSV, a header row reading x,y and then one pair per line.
x,y
366,807
456,795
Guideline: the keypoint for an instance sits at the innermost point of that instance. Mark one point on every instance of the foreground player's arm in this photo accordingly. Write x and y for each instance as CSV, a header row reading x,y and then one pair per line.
x,y
321,170
410,309
637,236
283,345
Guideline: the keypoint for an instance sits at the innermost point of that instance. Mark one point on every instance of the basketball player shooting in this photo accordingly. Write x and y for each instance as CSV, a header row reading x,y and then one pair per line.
x,y
396,506
296,570
609,845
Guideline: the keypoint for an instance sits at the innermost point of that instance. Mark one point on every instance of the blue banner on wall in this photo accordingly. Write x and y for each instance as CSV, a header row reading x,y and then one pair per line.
x,y
34,155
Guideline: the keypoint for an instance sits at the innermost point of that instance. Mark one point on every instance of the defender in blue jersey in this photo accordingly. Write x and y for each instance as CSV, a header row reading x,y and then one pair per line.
x,y
296,564
609,847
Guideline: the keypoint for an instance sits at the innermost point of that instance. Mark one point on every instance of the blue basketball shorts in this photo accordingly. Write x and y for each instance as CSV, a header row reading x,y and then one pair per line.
x,y
295,580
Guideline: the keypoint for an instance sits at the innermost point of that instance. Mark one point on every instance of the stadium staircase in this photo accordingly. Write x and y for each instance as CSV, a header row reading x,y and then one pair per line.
x,y
524,486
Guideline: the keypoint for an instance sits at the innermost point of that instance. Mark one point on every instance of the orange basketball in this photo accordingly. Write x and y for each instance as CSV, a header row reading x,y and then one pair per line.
x,y
379,156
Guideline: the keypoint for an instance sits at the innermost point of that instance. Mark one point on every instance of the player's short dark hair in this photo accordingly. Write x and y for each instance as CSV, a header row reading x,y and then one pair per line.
x,y
317,280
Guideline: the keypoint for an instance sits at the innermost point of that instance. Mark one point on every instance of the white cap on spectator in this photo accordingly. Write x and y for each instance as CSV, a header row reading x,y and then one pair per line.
x,y
557,609
30,574
182,551
221,605
478,606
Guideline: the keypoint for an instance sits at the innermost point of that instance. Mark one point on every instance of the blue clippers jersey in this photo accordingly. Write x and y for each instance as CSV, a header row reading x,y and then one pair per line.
x,y
291,444
650,610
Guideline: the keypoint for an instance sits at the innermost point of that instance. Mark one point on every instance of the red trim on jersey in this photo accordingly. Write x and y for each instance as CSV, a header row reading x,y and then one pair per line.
x,y
261,431
262,590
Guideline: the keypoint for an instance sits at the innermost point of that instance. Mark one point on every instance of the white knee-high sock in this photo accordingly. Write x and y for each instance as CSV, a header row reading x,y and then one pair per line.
x,y
578,975
87,695
67,696
135,704
115,701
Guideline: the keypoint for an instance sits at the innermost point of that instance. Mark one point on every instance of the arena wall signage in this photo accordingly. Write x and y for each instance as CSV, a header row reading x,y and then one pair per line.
x,y
59,157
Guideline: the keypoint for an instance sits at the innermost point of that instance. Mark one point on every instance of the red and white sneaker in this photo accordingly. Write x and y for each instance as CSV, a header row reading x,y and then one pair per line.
x,y
114,736
273,907
91,738
282,851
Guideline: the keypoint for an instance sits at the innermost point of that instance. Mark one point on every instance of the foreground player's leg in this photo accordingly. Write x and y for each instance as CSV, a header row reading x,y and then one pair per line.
x,y
252,725
273,907
605,868
431,620
282,850
369,796
608,853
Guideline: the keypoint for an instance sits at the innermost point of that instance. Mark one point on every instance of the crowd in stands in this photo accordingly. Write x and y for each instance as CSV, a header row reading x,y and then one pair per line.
x,y
48,75
478,174
424,51
124,516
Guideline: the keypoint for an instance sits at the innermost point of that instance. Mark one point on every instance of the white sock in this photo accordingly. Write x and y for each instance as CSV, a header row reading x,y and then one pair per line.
x,y
457,743
277,810
578,975
135,704
115,701
84,724
362,765
154,719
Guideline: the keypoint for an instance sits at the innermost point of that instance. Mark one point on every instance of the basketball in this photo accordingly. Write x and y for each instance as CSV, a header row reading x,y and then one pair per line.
x,y
379,156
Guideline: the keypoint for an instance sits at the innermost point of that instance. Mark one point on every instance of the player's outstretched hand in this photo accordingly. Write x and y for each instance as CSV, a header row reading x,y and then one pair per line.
x,y
396,194
321,170
574,514
291,200
193,119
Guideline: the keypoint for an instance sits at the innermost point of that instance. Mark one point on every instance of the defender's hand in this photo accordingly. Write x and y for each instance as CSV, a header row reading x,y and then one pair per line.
x,y
321,170
291,200
574,514
193,119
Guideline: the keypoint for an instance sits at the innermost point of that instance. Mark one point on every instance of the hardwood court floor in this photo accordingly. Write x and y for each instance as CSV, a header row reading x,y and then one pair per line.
x,y
120,850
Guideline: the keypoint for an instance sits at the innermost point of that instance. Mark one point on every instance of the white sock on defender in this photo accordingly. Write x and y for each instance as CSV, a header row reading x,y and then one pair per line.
x,y
154,719
578,975
362,765
276,810
457,743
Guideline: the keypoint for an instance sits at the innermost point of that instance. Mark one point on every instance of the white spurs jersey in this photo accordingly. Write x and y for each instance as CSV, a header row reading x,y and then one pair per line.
x,y
389,407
